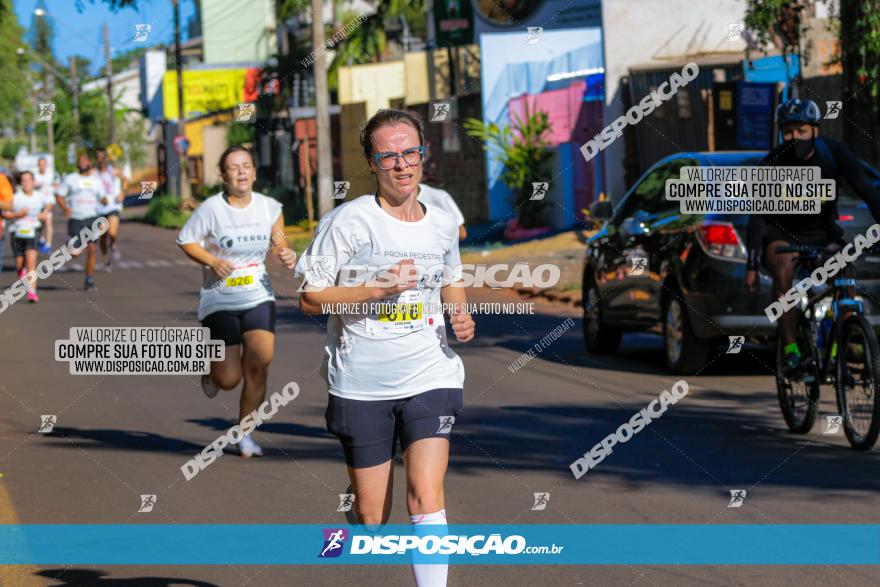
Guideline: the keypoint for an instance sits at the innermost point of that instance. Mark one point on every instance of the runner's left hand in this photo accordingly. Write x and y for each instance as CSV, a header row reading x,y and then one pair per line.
x,y
463,326
288,257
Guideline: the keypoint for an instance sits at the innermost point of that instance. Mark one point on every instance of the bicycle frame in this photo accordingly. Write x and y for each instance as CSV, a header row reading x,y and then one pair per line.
x,y
843,303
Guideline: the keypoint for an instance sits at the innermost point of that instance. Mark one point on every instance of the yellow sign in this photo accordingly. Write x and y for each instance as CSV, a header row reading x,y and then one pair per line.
x,y
114,152
725,100
204,91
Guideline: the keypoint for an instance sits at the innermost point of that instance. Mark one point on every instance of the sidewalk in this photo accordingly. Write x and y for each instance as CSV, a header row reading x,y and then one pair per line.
x,y
566,250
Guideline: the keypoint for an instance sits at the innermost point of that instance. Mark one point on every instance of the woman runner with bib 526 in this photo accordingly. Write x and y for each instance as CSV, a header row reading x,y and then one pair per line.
x,y
390,371
230,235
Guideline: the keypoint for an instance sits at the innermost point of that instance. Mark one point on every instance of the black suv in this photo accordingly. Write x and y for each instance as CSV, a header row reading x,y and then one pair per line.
x,y
652,268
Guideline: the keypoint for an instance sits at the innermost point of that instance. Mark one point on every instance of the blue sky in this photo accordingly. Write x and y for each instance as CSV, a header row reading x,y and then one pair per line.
x,y
79,33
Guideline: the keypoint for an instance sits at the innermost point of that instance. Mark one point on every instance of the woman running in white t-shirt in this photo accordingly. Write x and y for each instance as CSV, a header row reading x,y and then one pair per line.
x,y
230,235
391,374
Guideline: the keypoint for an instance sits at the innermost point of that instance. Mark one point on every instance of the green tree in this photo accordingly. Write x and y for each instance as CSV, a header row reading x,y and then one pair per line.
x,y
93,127
83,67
368,42
522,149
114,4
15,110
779,22
127,59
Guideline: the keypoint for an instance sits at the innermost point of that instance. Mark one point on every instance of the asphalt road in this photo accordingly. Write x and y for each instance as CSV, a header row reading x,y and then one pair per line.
x,y
119,437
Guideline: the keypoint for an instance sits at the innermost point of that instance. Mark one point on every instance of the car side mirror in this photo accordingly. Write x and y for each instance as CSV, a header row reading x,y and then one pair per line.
x,y
602,211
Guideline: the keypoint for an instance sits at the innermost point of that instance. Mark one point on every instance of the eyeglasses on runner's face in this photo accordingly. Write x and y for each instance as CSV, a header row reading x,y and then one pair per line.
x,y
388,159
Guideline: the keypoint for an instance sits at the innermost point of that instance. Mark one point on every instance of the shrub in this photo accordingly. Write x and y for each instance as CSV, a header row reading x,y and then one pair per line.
x,y
165,211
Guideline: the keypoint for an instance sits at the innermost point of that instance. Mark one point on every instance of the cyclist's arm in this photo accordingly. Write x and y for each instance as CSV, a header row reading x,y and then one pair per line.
x,y
855,176
755,230
754,237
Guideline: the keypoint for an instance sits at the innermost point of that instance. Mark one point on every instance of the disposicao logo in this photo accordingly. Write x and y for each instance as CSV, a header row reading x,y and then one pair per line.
x,y
334,541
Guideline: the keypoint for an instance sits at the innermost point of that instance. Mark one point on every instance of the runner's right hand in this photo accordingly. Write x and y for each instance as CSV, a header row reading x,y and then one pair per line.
x,y
399,278
221,268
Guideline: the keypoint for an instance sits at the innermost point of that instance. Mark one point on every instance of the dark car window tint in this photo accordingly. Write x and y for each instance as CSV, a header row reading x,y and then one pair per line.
x,y
671,171
650,194
643,197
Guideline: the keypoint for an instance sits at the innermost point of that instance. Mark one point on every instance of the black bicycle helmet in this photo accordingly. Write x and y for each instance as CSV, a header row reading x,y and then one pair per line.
x,y
797,110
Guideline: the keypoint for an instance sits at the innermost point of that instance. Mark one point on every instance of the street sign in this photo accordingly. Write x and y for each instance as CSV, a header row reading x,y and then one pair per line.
x,y
455,23
114,152
181,144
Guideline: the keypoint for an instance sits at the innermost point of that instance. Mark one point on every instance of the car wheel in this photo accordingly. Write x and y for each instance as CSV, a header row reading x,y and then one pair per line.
x,y
685,353
599,338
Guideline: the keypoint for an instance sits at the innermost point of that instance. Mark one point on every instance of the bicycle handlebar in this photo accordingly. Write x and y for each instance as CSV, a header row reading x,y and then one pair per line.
x,y
804,250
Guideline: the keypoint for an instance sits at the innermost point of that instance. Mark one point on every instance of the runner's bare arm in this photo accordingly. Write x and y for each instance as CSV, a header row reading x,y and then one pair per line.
x,y
197,253
14,215
283,252
63,205
463,324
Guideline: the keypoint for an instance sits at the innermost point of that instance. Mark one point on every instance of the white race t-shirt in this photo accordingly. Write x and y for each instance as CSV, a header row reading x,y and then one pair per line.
x,y
112,186
26,226
241,236
44,181
376,356
83,194
441,199
433,196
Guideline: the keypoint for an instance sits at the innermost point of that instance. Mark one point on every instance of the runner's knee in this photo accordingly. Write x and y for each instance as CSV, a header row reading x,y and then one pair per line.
x,y
424,501
256,369
226,380
373,515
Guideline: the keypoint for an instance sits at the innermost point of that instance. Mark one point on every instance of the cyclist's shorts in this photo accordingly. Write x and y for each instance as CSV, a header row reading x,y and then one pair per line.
x,y
369,430
230,325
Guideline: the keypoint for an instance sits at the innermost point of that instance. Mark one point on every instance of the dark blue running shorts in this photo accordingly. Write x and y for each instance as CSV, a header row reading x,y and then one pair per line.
x,y
369,430
230,325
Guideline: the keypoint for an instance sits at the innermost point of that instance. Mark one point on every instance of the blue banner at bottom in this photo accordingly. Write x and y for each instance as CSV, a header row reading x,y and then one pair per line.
x,y
522,544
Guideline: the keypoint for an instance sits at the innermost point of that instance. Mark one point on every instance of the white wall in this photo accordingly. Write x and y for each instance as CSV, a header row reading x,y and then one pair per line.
x,y
237,31
659,32
126,88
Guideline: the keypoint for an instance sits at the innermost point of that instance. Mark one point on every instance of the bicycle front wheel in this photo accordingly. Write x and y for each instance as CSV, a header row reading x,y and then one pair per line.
x,y
799,396
858,366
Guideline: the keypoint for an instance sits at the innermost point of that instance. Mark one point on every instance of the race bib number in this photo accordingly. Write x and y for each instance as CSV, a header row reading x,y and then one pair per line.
x,y
243,279
401,316
25,232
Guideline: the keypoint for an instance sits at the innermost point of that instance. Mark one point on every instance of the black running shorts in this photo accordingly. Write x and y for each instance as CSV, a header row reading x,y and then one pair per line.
x,y
230,325
369,430
20,245
75,227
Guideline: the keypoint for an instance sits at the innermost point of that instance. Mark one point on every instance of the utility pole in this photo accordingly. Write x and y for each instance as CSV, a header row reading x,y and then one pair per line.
x,y
431,44
322,114
50,126
185,190
74,87
109,74
33,124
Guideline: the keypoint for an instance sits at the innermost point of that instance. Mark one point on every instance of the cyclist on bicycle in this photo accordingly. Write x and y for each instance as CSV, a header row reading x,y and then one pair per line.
x,y
798,121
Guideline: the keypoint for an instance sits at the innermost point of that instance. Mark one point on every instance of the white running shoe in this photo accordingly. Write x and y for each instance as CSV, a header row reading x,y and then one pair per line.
x,y
74,266
209,387
247,448
115,254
